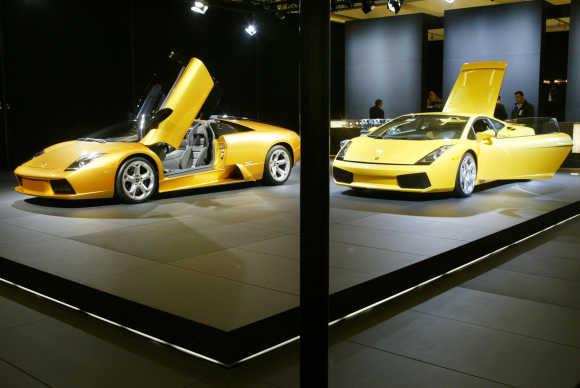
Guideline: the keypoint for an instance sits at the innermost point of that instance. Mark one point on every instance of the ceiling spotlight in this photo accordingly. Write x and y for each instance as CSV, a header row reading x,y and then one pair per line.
x,y
395,5
199,7
368,6
251,29
450,1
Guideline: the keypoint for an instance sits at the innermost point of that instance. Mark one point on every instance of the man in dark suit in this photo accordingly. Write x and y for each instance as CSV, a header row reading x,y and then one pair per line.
x,y
522,107
376,111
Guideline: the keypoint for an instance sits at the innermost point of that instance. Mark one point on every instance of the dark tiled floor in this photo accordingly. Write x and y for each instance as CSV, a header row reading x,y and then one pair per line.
x,y
239,245
501,322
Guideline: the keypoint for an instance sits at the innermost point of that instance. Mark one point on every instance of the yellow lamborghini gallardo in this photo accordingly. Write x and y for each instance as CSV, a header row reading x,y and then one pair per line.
x,y
454,150
163,149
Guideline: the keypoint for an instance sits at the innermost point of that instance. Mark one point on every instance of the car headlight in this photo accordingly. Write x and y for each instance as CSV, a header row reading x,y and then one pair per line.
x,y
344,145
433,156
83,160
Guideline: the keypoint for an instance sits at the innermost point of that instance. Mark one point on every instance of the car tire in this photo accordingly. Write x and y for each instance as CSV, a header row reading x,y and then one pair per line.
x,y
136,180
466,177
278,166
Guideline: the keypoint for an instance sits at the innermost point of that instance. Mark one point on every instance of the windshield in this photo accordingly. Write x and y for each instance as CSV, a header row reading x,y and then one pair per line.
x,y
422,127
131,130
126,131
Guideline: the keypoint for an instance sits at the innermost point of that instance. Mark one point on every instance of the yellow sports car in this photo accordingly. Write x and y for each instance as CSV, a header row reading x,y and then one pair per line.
x,y
453,150
163,150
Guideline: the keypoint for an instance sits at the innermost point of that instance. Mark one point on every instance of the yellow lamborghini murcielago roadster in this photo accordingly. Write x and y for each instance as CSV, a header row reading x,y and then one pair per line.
x,y
163,149
453,150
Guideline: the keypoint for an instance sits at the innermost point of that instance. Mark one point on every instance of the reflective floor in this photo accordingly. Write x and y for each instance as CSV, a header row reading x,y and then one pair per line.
x,y
227,257
233,251
511,320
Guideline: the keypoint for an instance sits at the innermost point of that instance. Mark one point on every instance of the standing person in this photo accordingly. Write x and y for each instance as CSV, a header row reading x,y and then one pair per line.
x,y
434,102
522,107
500,111
376,111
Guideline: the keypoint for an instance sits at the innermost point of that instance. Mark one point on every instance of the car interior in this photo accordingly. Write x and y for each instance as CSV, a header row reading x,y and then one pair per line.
x,y
194,152
501,131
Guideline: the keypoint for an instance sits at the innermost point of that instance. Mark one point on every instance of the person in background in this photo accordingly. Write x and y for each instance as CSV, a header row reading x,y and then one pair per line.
x,y
434,102
500,111
522,107
376,111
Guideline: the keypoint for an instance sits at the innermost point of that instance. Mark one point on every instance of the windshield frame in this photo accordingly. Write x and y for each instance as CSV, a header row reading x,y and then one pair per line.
x,y
381,132
132,130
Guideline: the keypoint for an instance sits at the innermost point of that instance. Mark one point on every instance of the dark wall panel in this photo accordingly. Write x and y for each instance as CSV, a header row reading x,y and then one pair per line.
x,y
337,50
573,89
384,60
277,73
510,33
73,67
67,66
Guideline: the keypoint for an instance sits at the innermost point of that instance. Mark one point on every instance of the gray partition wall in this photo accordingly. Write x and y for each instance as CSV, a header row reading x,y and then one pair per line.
x,y
510,33
573,88
383,60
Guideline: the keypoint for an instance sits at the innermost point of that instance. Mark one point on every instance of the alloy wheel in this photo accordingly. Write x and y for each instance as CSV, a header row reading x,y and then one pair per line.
x,y
138,180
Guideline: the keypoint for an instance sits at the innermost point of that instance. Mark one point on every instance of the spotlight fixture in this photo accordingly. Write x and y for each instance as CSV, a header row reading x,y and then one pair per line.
x,y
199,7
368,6
251,29
395,5
450,1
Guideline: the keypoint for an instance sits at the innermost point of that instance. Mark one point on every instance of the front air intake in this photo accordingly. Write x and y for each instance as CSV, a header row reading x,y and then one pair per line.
x,y
342,176
61,186
414,181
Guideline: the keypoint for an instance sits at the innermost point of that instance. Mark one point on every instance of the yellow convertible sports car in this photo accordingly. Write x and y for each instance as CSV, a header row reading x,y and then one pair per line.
x,y
161,150
454,150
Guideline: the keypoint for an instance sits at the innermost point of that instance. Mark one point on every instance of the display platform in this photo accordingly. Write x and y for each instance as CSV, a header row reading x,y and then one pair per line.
x,y
215,272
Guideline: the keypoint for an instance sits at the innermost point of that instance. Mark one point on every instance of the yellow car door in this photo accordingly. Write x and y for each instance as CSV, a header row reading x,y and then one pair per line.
x,y
185,99
493,156
534,156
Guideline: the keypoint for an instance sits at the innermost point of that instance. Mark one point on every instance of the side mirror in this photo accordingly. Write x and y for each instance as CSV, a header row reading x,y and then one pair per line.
x,y
159,116
486,136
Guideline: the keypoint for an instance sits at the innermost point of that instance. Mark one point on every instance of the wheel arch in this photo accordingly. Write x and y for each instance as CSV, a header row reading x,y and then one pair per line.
x,y
286,145
473,153
155,161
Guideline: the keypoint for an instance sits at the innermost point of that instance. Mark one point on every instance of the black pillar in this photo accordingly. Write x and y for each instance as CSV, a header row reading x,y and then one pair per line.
x,y
573,88
314,191
4,106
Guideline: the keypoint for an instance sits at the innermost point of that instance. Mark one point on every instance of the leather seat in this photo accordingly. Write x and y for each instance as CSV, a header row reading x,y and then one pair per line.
x,y
196,149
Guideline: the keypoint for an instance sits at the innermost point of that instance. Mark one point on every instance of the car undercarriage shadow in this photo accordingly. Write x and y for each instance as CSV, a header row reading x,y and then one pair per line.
x,y
113,208
421,197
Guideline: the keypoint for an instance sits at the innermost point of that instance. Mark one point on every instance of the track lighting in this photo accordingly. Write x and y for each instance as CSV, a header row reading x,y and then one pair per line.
x,y
395,5
251,29
199,7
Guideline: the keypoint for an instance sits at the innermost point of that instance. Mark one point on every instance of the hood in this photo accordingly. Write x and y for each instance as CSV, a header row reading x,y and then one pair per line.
x,y
390,151
476,88
185,99
61,155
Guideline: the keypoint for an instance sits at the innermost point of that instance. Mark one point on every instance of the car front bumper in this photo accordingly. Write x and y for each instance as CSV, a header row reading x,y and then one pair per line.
x,y
87,183
437,177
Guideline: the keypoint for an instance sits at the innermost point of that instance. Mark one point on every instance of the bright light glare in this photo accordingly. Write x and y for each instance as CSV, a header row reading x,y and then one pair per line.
x,y
251,29
199,7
